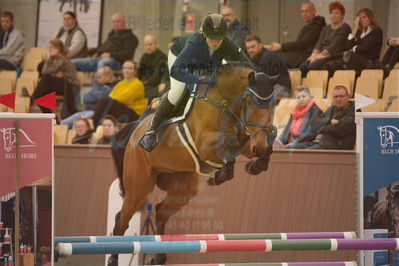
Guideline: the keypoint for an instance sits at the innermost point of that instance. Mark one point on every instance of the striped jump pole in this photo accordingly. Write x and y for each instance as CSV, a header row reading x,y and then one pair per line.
x,y
67,249
159,238
337,263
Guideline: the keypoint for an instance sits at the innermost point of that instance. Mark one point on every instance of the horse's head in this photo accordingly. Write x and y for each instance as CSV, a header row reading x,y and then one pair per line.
x,y
383,136
8,138
257,112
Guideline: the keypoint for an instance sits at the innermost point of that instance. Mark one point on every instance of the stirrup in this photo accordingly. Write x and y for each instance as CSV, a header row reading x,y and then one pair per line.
x,y
149,140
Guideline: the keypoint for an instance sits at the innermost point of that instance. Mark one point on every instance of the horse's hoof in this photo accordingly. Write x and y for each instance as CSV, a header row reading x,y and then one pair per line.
x,y
112,260
211,181
252,169
149,261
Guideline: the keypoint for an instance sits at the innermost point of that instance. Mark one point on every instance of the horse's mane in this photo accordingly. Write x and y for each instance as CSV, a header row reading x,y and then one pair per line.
x,y
234,66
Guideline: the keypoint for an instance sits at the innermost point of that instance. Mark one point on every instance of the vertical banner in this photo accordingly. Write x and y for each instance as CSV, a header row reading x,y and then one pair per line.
x,y
35,145
378,173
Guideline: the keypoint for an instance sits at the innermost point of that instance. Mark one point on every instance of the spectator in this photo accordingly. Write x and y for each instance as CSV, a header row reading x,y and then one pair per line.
x,y
332,40
126,102
336,128
270,63
45,256
153,65
59,75
12,43
119,46
73,36
391,56
84,132
235,29
109,128
298,51
301,117
103,83
365,42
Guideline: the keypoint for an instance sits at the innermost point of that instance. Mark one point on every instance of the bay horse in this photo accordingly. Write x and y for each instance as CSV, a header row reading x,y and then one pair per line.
x,y
234,117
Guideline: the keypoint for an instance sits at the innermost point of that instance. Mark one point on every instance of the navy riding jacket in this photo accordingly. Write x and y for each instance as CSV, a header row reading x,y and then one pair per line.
x,y
194,59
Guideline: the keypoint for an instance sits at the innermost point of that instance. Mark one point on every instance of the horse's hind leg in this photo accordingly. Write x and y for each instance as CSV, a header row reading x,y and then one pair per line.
x,y
180,188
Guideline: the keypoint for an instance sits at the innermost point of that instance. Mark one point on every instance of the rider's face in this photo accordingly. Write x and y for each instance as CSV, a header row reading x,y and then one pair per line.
x,y
213,44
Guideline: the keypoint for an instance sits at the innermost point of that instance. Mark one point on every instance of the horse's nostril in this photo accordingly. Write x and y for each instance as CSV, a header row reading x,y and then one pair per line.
x,y
254,150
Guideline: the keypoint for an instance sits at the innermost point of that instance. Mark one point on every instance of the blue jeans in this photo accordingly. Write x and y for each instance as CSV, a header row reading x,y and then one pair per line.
x,y
70,120
92,64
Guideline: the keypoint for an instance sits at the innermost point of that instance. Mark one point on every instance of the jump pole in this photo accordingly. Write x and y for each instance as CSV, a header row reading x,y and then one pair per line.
x,y
335,263
68,249
161,238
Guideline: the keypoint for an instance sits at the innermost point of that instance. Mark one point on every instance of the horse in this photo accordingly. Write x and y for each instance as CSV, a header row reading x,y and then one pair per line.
x,y
385,214
387,135
232,118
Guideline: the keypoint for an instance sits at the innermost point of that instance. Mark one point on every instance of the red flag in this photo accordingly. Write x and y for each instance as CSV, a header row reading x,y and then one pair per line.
x,y
47,101
8,100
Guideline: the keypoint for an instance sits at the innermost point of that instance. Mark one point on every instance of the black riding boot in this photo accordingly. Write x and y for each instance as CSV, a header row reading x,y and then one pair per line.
x,y
149,139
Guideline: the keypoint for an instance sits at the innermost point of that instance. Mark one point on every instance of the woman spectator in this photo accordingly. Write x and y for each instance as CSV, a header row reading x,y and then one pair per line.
x,y
126,101
73,36
59,75
301,117
109,128
365,42
331,42
84,133
391,56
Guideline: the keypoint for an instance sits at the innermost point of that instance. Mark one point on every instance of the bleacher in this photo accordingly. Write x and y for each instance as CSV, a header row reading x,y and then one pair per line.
x,y
370,83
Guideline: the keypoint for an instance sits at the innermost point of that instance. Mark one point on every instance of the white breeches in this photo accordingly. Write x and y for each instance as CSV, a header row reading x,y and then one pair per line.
x,y
176,87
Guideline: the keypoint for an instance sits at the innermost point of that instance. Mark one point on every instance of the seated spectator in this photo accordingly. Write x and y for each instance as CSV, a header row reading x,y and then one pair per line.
x,y
73,36
270,63
391,56
103,83
45,256
126,102
332,40
298,51
235,29
301,117
109,129
59,75
12,43
84,132
152,68
336,128
119,46
365,42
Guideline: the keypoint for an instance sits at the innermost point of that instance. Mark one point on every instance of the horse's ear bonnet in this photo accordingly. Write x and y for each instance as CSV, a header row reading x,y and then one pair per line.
x,y
261,87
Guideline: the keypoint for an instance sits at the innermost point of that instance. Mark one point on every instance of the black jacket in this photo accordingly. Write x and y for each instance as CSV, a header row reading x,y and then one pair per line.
x,y
152,69
370,46
307,36
120,44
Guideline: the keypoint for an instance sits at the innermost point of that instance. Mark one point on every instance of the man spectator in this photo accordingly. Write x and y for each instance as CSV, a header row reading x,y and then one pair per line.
x,y
12,43
119,46
298,51
270,63
102,86
235,29
336,129
152,69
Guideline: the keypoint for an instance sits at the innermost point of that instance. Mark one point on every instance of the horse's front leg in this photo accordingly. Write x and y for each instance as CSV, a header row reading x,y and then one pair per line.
x,y
228,147
261,164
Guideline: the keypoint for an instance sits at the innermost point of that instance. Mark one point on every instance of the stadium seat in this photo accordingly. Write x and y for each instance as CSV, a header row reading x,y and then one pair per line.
x,y
31,75
323,104
315,87
32,59
12,75
367,86
22,104
71,135
320,75
60,134
282,113
5,85
295,77
28,83
378,74
99,132
344,76
378,106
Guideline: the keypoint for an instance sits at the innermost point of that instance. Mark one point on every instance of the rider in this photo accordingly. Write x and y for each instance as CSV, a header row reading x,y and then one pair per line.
x,y
199,52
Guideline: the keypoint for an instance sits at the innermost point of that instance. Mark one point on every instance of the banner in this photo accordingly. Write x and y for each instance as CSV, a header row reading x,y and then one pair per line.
x,y
35,148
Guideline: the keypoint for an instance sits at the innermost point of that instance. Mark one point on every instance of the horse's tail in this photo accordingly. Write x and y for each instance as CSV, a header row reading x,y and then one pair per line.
x,y
118,147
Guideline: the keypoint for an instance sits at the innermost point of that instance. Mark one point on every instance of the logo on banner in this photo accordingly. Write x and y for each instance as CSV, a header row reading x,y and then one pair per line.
x,y
10,137
389,138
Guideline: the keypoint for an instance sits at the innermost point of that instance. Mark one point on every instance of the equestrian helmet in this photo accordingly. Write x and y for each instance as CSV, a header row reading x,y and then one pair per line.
x,y
214,27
